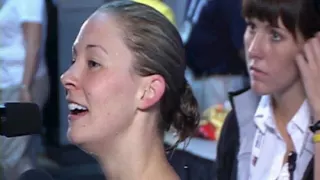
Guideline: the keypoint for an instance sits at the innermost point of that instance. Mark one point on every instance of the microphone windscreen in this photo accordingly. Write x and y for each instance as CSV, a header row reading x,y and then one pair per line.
x,y
21,119
35,174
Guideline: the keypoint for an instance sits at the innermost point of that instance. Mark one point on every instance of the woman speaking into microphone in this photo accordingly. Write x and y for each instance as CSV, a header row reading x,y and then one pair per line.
x,y
125,87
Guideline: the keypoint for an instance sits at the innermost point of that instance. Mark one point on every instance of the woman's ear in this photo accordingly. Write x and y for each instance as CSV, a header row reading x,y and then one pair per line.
x,y
151,92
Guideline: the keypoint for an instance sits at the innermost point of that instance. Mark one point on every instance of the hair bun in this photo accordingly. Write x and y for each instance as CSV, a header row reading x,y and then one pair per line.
x,y
186,119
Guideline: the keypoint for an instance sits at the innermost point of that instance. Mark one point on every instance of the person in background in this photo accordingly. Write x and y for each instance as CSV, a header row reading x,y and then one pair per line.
x,y
214,50
160,6
267,134
23,73
124,92
191,16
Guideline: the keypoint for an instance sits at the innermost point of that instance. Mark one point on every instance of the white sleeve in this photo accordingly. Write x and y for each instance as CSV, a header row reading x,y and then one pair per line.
x,y
31,10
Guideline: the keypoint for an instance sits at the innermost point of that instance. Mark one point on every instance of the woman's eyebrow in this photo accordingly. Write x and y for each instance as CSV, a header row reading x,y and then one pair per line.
x,y
89,46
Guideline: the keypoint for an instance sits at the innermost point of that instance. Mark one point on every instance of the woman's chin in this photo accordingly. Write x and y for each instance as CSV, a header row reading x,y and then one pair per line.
x,y
260,88
74,138
83,142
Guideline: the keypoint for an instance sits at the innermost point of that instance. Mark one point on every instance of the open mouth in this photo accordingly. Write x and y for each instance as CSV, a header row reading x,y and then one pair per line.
x,y
77,109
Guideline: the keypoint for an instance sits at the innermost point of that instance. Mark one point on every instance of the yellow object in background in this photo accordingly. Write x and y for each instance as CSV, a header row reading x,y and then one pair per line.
x,y
316,138
160,6
216,116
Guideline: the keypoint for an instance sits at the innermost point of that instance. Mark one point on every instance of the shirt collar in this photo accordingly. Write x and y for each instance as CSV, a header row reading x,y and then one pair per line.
x,y
302,118
264,115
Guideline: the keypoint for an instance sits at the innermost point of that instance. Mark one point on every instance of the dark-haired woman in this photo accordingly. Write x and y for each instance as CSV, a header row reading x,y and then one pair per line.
x,y
267,135
125,87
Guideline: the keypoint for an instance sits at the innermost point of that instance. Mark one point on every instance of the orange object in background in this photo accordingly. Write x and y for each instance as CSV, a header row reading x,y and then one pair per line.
x,y
212,121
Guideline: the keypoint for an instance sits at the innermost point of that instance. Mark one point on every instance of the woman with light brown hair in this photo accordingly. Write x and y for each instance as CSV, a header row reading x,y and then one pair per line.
x,y
125,88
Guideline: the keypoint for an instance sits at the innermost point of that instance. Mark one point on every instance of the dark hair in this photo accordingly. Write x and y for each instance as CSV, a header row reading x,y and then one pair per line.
x,y
297,15
158,49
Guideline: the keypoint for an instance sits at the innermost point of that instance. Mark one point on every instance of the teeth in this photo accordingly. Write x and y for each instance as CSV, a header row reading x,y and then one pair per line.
x,y
73,106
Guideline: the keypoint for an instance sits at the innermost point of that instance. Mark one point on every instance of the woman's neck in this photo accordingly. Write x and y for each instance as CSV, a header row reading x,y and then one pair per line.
x,y
287,103
137,155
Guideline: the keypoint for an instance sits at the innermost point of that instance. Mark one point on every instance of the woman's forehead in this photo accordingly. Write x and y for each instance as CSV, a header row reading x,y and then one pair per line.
x,y
98,28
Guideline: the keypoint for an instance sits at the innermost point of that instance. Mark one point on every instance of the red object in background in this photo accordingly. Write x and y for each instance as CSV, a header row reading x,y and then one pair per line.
x,y
207,131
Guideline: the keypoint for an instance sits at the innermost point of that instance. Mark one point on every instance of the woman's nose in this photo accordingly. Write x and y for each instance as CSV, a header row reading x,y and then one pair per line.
x,y
70,79
256,47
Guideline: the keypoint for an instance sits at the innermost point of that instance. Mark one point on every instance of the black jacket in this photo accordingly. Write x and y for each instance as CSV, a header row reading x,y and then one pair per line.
x,y
229,142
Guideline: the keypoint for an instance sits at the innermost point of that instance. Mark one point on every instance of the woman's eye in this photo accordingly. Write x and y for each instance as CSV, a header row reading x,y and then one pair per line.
x,y
275,36
251,27
93,64
73,60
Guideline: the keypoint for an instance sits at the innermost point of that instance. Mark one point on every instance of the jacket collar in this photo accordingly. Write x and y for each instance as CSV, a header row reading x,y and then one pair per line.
x,y
244,102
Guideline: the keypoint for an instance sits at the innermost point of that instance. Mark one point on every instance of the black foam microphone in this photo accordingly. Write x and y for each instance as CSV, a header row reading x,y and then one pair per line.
x,y
18,119
35,174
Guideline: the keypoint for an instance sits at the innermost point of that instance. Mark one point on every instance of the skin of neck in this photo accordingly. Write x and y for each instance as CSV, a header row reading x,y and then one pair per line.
x,y
138,153
287,102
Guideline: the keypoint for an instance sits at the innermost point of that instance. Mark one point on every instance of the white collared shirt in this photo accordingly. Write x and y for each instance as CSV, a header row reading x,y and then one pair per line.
x,y
269,149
